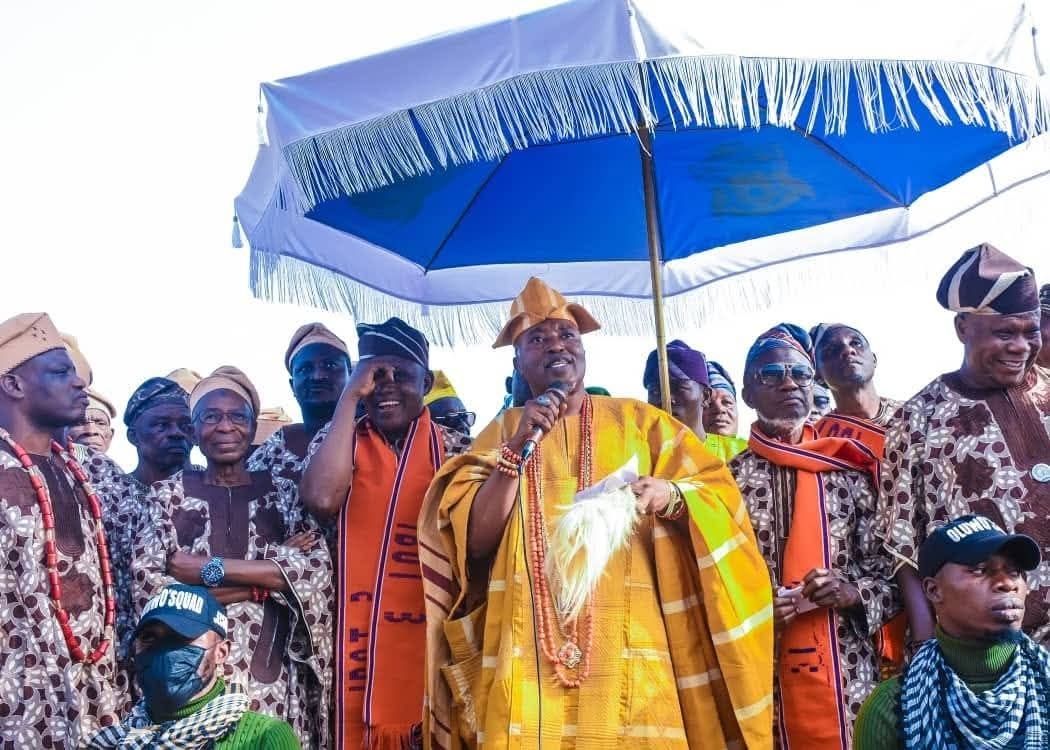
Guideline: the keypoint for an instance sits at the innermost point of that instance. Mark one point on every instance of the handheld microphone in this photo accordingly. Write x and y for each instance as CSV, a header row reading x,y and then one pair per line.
x,y
536,435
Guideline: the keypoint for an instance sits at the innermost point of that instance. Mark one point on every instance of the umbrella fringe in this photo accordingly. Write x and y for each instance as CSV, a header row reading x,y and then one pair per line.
x,y
292,281
703,91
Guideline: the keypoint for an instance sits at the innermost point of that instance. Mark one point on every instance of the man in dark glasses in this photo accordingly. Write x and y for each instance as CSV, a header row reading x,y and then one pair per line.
x,y
812,505
445,406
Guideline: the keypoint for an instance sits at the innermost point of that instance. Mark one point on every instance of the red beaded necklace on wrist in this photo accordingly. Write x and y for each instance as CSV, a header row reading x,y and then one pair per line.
x,y
574,652
47,513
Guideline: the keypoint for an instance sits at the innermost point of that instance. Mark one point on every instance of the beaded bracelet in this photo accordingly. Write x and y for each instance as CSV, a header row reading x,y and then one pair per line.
x,y
260,594
505,467
508,453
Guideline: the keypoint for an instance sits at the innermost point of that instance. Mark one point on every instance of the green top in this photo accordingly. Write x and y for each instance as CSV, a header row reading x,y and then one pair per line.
x,y
980,665
726,447
254,731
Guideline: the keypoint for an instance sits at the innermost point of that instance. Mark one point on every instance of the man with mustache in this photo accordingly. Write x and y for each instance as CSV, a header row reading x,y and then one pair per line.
x,y
812,504
57,600
318,364
976,440
980,683
656,657
369,476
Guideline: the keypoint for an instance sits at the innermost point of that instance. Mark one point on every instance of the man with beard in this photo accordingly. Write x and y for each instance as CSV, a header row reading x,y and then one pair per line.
x,y
812,504
318,363
981,683
181,644
976,440
57,602
372,473
671,645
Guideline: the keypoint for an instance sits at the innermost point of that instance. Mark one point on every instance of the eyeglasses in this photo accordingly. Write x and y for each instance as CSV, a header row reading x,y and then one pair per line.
x,y
214,417
774,374
457,419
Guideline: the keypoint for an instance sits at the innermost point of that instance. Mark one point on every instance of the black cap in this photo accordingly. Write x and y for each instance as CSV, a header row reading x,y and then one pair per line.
x,y
190,611
969,540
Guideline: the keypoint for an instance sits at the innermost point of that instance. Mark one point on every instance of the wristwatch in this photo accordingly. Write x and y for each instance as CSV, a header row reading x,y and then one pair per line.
x,y
213,572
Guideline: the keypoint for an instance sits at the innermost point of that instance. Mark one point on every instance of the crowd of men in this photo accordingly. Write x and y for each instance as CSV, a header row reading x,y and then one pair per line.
x,y
588,571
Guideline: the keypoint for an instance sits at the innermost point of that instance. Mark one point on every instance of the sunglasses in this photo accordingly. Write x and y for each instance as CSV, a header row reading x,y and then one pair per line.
x,y
775,374
456,418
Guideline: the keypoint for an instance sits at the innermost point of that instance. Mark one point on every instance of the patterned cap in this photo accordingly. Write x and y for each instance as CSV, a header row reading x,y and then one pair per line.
x,y
718,378
782,336
985,281
24,337
154,392
537,303
394,338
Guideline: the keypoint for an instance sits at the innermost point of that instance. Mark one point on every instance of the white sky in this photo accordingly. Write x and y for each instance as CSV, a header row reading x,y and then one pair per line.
x,y
128,128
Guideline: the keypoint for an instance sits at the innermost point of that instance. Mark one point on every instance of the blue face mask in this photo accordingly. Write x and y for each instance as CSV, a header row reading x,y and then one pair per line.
x,y
168,676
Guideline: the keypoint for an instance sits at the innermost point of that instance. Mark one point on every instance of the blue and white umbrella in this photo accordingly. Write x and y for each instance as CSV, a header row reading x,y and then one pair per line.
x,y
605,144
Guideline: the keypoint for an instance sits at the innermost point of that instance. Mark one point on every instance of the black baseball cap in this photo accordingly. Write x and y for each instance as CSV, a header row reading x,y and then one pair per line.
x,y
190,611
969,540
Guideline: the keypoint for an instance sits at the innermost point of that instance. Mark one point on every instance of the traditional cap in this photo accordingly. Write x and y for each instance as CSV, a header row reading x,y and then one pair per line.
x,y
186,378
442,389
971,539
24,337
683,363
80,363
819,331
718,378
154,392
394,338
312,333
1044,298
226,378
269,421
537,303
191,611
985,281
97,401
784,335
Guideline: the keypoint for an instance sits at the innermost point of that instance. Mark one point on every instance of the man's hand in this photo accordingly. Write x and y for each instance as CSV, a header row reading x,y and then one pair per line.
x,y
362,380
783,612
828,589
302,541
651,494
542,411
184,567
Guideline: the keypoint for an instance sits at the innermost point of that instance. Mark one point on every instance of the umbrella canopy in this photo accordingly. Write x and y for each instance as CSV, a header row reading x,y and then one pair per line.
x,y
445,173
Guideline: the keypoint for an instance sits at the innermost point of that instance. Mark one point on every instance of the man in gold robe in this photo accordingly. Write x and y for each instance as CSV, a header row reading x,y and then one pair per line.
x,y
673,647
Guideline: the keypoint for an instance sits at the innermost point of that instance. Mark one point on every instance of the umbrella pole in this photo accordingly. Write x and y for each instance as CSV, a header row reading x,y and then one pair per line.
x,y
652,228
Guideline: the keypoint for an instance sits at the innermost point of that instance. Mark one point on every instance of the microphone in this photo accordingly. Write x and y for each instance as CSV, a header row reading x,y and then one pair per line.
x,y
562,390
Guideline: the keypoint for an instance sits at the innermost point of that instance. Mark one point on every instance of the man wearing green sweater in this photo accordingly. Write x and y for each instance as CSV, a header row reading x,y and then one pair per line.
x,y
180,645
980,683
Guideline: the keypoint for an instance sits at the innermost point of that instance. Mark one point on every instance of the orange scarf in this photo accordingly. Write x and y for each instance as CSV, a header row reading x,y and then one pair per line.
x,y
812,710
891,638
380,625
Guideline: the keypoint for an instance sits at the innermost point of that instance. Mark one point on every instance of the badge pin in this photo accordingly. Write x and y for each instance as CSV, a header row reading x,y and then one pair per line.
x,y
1041,473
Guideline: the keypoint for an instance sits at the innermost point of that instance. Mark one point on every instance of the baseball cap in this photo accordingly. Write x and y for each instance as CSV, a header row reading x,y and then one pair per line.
x,y
971,539
190,611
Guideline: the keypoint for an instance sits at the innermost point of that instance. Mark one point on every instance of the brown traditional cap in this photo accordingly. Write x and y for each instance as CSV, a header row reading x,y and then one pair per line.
x,y
537,303
986,281
185,377
312,333
24,337
270,420
226,378
80,362
97,401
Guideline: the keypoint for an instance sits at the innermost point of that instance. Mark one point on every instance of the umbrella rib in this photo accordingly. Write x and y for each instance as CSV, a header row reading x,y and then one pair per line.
x,y
886,192
463,215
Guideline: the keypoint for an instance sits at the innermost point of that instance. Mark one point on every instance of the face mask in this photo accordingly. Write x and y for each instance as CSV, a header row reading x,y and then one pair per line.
x,y
168,676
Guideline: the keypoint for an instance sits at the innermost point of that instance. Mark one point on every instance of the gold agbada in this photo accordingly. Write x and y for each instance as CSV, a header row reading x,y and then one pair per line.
x,y
683,640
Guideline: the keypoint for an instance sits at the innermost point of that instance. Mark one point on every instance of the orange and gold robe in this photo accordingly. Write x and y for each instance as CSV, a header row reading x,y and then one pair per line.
x,y
683,639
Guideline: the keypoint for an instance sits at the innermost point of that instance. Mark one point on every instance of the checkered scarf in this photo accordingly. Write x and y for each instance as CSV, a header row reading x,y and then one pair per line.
x,y
198,731
939,711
